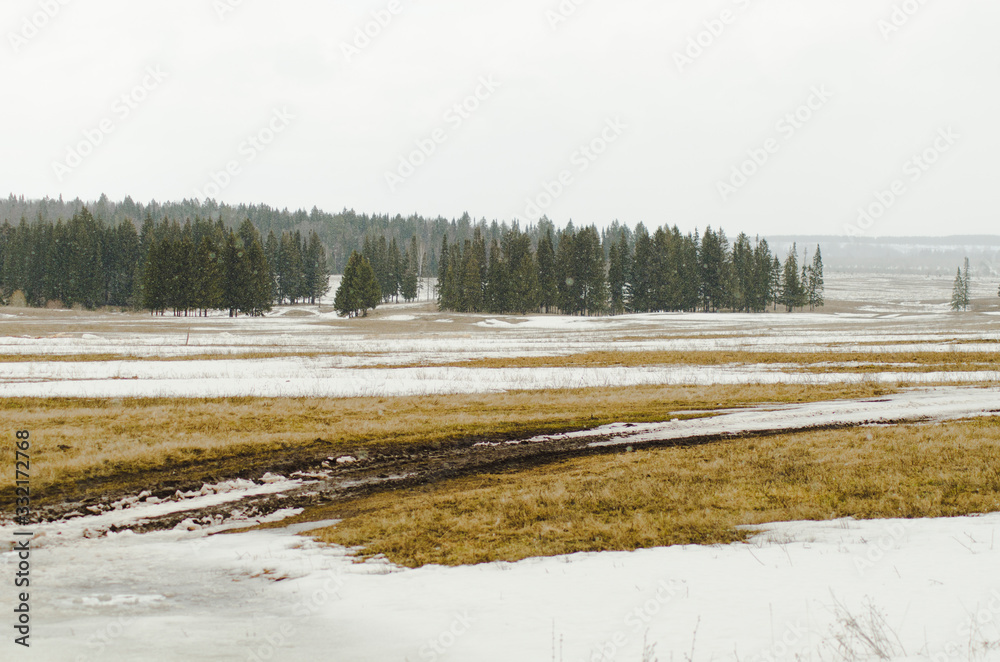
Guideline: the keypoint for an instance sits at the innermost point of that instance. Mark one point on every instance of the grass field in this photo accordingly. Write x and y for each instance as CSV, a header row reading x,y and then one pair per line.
x,y
676,496
85,447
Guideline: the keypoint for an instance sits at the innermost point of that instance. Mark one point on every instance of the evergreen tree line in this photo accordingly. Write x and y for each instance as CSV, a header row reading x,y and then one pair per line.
x,y
79,262
341,233
398,274
194,267
579,273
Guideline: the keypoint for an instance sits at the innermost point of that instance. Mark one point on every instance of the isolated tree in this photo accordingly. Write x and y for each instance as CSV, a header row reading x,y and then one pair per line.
x,y
967,283
816,283
959,296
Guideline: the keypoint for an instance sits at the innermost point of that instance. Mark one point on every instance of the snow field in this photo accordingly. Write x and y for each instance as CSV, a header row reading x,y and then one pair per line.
x,y
273,595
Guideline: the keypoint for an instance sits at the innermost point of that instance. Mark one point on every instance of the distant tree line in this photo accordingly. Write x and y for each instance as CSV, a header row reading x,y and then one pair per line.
x,y
575,272
190,268
182,265
341,232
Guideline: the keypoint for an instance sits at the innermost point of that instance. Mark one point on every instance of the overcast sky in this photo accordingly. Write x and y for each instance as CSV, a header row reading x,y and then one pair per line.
x,y
593,110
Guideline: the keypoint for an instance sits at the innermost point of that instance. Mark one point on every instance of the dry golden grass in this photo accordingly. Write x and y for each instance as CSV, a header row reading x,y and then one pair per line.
x,y
219,356
809,361
681,495
91,445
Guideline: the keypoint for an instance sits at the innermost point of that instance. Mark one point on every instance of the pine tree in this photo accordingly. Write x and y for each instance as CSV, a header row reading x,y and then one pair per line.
x,y
359,289
618,270
967,283
395,268
316,276
582,272
958,301
791,285
182,255
775,295
411,274
122,260
816,283
714,257
524,291
272,251
258,299
208,271
640,299
473,274
237,283
661,268
496,299
742,285
289,269
548,288
444,286
155,278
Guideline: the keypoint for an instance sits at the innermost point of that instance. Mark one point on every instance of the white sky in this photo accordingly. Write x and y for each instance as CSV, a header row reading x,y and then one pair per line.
x,y
684,130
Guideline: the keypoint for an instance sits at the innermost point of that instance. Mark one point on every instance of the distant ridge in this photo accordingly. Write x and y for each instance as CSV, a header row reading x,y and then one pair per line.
x,y
912,255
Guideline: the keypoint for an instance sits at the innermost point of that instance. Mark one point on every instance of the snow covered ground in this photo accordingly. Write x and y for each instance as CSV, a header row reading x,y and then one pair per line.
x,y
295,377
917,590
309,351
272,595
